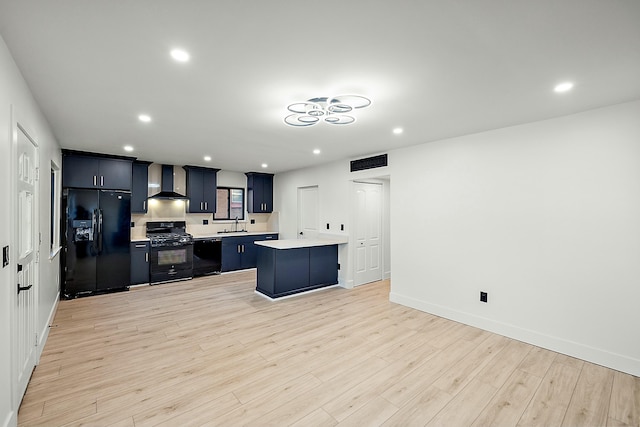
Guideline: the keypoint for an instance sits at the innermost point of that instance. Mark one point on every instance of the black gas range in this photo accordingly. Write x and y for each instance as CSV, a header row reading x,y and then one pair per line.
x,y
171,256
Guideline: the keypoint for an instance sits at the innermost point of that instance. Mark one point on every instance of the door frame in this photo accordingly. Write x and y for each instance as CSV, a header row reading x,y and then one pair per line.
x,y
18,126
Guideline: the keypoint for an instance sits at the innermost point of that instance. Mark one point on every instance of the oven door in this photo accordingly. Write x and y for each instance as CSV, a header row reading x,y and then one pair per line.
x,y
171,263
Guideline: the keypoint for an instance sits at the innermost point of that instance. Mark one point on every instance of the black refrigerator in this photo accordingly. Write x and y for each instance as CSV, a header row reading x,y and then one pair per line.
x,y
97,231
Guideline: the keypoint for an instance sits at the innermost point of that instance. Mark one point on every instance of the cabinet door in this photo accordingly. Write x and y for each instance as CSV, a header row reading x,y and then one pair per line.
x,y
231,256
115,174
209,191
80,172
249,252
292,270
139,187
139,263
267,193
195,190
323,265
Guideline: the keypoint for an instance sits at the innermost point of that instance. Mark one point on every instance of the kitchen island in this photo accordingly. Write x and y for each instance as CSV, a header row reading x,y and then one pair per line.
x,y
287,267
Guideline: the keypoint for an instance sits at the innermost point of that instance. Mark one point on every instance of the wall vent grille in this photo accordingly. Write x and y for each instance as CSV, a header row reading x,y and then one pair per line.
x,y
369,163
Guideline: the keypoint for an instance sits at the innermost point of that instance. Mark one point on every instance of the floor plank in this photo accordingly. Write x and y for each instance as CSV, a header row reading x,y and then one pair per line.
x,y
211,352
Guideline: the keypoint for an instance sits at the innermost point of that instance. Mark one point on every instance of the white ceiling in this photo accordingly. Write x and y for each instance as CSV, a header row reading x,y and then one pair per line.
x,y
436,68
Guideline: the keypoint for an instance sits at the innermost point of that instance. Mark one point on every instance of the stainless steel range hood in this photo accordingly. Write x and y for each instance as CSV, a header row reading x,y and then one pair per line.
x,y
169,187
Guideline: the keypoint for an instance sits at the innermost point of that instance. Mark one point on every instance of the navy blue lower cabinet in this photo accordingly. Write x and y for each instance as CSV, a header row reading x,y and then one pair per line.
x,y
231,254
323,265
284,272
139,262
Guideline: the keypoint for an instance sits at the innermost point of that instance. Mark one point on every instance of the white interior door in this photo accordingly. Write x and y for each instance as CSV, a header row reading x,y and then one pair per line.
x,y
308,212
26,286
368,232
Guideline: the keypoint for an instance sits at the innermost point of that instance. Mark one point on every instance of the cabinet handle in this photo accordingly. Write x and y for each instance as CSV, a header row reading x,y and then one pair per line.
x,y
242,248
144,205
146,257
206,205
238,248
95,180
201,206
141,246
102,181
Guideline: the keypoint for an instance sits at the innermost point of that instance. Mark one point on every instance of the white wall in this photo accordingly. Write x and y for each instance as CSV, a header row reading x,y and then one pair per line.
x,y
14,91
545,217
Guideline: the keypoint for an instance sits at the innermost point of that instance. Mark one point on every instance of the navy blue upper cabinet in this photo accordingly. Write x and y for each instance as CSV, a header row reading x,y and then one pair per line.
x,y
95,171
201,189
259,192
140,187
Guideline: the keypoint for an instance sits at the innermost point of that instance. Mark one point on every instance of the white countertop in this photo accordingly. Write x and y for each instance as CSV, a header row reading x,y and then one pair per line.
x,y
234,234
302,243
196,236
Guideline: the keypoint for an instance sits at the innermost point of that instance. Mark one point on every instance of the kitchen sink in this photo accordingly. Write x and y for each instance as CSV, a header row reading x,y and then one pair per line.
x,y
231,231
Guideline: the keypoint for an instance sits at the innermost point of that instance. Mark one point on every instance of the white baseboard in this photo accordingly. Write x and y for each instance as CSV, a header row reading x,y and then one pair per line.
x,y
347,284
11,419
386,275
581,351
44,334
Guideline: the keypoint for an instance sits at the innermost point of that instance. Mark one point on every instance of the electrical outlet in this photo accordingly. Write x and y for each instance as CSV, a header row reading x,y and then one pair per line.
x,y
327,226
338,266
253,221
133,224
205,222
483,296
341,227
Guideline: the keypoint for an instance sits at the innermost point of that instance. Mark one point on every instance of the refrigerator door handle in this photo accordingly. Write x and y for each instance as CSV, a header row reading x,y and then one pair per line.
x,y
99,230
94,224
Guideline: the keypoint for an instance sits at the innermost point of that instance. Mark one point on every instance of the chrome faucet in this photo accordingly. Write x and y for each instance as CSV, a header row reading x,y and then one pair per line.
x,y
236,224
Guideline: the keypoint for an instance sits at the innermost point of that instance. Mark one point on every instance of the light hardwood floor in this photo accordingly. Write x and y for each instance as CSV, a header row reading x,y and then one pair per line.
x,y
211,352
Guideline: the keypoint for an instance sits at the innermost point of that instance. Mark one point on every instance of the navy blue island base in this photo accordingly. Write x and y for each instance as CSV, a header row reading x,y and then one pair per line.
x,y
283,272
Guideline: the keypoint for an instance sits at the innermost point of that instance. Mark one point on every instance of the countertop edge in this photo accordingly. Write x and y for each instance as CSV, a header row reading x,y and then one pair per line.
x,y
212,235
300,243
233,234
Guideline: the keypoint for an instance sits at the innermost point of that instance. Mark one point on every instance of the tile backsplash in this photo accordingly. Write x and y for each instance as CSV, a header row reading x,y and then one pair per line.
x,y
174,210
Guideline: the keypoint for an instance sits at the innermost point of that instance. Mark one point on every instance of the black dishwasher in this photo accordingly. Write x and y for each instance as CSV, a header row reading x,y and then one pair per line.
x,y
207,256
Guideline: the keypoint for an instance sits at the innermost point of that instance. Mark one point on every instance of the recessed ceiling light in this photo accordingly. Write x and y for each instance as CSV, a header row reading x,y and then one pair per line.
x,y
563,87
180,55
144,118
207,158
128,148
264,165
397,131
316,151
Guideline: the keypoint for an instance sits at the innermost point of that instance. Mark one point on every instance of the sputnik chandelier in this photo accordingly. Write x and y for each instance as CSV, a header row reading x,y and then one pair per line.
x,y
333,110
